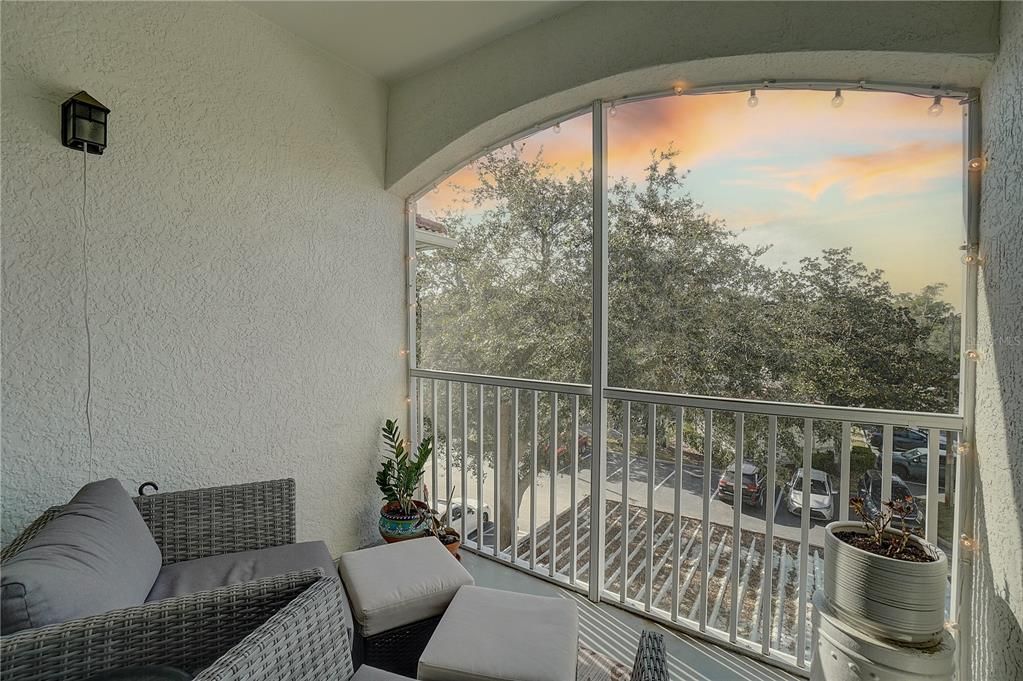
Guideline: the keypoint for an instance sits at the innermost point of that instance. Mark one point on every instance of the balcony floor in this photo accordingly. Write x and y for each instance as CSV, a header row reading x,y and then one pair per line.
x,y
615,633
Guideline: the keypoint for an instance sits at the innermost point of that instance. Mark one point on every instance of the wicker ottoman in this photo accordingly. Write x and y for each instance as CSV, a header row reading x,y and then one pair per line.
x,y
398,593
490,635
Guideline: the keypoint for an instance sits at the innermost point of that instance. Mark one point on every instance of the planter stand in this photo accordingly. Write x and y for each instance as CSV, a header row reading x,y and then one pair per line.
x,y
842,652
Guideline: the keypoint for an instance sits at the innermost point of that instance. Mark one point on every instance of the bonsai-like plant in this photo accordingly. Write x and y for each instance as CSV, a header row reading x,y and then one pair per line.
x,y
882,538
401,472
436,522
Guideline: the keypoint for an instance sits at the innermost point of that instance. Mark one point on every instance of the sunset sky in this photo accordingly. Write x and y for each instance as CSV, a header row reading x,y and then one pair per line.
x,y
877,174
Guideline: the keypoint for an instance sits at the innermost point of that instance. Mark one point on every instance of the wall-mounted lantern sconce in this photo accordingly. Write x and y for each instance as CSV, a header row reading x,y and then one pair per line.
x,y
83,124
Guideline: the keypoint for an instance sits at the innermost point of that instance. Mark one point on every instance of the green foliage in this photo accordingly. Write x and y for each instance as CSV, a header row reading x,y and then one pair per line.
x,y
692,309
400,474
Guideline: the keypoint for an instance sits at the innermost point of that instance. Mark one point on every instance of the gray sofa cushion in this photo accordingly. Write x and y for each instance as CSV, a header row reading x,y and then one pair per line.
x,y
212,572
97,555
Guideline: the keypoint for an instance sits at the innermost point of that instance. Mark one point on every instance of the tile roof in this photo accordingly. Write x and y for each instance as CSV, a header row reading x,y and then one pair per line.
x,y
429,225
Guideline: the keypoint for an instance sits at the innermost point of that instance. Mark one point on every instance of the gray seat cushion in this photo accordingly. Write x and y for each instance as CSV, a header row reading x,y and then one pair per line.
x,y
367,673
204,574
490,635
97,555
401,583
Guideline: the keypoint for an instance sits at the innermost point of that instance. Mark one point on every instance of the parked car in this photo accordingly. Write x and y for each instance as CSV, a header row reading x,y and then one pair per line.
x,y
905,438
912,465
472,515
753,491
870,492
821,505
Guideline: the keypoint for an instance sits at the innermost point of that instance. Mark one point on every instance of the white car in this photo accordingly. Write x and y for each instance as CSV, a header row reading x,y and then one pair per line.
x,y
821,505
472,514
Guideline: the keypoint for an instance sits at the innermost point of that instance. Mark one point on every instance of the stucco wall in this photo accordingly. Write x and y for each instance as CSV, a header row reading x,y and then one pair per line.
x,y
612,49
245,278
996,620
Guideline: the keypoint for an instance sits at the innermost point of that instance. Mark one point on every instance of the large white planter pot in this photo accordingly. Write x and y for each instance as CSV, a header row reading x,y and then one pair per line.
x,y
887,598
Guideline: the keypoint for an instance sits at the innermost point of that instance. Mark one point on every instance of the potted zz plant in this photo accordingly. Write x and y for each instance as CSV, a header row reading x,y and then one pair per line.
x,y
398,478
884,579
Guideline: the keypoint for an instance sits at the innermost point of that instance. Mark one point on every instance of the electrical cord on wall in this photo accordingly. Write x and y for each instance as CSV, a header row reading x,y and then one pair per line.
x,y
85,307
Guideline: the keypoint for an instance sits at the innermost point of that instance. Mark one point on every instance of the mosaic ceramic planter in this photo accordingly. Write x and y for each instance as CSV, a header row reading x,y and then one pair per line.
x,y
395,525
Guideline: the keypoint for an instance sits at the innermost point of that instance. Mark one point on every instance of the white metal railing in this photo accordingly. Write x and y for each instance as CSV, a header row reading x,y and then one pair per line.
x,y
673,552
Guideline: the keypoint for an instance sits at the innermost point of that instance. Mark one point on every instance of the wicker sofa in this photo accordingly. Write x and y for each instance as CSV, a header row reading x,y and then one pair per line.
x,y
191,631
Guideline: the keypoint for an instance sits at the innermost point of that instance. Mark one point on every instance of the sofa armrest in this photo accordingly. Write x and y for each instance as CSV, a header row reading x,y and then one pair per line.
x,y
11,549
188,632
651,661
305,640
207,522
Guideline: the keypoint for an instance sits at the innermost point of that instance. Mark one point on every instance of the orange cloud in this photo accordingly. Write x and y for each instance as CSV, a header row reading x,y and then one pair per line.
x,y
906,168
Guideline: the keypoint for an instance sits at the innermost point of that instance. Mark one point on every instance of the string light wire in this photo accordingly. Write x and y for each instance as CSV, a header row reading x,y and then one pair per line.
x,y
85,306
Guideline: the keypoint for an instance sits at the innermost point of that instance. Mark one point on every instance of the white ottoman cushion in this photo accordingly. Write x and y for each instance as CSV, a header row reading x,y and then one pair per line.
x,y
401,583
493,635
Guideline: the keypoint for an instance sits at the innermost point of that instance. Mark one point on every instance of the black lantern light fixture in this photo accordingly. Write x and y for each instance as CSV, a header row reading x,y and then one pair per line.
x,y
83,124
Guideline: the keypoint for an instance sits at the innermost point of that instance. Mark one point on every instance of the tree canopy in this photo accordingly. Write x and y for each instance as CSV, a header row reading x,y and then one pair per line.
x,y
692,308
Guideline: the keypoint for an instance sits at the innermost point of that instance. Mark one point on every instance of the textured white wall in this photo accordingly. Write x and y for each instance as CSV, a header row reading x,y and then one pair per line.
x,y
612,49
244,268
997,604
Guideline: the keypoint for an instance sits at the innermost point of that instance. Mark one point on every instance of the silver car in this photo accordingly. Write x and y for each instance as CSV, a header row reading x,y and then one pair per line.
x,y
821,504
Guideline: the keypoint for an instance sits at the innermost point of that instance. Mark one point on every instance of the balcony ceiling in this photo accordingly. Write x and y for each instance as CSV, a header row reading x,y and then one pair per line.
x,y
395,40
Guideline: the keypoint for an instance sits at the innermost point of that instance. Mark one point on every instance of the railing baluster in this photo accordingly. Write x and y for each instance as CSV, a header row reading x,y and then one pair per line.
x,y
480,530
574,516
515,477
676,530
768,583
804,541
497,470
447,453
532,491
420,411
433,432
708,453
552,524
886,464
465,458
737,487
843,483
931,507
627,448
651,452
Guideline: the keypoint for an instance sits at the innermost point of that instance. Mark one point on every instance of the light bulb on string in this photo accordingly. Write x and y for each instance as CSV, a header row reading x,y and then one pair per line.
x,y
613,111
678,89
838,100
753,99
557,128
935,109
975,164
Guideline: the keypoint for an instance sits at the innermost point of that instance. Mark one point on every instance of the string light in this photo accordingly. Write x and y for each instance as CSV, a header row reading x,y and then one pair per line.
x,y
753,99
557,128
838,100
403,353
679,90
967,543
972,259
964,448
975,164
613,111
935,109
972,355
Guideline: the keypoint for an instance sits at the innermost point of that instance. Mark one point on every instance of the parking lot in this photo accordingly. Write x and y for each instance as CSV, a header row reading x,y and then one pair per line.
x,y
691,485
